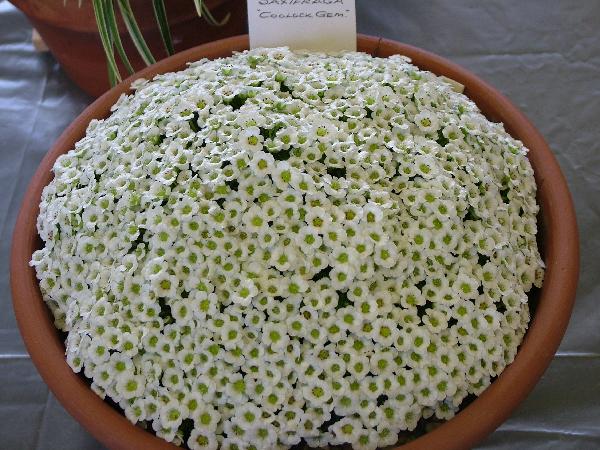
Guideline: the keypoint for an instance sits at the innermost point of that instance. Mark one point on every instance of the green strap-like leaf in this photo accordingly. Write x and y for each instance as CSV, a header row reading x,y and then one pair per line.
x,y
163,24
113,77
211,19
113,71
111,22
134,32
201,9
198,5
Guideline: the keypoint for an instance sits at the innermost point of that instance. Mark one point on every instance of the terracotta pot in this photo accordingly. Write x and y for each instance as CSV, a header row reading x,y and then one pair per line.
x,y
71,34
561,254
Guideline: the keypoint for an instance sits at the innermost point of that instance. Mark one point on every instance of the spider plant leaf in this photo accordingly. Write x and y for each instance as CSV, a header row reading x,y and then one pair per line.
x,y
113,71
211,19
198,4
134,32
111,22
163,24
113,77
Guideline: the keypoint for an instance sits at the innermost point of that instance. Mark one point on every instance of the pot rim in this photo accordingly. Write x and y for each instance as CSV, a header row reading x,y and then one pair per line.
x,y
468,427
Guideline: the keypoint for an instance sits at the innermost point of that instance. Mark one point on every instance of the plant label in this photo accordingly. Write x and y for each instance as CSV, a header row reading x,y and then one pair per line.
x,y
315,25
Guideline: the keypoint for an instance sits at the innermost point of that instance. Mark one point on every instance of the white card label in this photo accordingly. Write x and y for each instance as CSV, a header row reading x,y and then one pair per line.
x,y
316,25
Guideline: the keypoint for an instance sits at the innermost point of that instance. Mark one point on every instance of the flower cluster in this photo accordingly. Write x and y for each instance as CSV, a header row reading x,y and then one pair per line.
x,y
277,246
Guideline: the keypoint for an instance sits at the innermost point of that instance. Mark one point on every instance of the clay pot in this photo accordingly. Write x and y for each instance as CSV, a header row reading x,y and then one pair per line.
x,y
560,248
71,34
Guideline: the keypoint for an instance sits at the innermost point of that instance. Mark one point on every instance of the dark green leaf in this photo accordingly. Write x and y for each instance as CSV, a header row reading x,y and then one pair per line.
x,y
107,44
198,5
134,32
210,18
163,24
111,22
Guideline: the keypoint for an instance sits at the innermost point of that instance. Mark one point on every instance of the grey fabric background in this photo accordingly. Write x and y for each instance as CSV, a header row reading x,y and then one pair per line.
x,y
544,55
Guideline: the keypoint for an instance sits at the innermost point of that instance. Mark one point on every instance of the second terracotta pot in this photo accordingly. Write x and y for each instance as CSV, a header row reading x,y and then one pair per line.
x,y
70,32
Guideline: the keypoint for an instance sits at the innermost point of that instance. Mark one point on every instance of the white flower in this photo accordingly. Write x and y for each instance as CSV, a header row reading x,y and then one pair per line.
x,y
202,440
254,219
427,121
245,292
130,386
275,335
347,429
262,163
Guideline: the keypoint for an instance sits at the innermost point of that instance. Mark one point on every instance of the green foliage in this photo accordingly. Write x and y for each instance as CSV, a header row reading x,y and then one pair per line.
x,y
163,24
111,40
